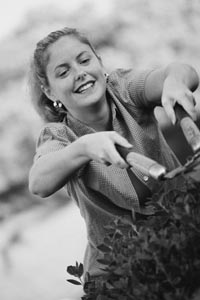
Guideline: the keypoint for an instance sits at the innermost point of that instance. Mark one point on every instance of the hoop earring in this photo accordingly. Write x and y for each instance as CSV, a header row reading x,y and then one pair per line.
x,y
57,104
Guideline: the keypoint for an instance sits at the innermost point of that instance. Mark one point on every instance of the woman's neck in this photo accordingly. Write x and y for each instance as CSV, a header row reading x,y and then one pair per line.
x,y
102,122
98,117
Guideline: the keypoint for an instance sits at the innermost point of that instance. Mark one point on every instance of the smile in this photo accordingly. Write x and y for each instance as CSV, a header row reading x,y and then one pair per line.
x,y
85,87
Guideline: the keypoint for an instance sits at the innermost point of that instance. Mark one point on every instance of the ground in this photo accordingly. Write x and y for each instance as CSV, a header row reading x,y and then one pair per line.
x,y
35,250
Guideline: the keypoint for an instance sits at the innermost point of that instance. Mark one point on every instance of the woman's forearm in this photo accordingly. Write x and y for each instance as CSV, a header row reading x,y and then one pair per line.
x,y
52,171
178,72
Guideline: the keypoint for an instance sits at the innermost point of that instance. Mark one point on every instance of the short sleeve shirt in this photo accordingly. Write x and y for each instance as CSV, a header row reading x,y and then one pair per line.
x,y
106,192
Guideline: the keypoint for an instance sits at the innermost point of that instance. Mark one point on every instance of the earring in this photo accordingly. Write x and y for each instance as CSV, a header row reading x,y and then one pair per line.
x,y
57,104
106,75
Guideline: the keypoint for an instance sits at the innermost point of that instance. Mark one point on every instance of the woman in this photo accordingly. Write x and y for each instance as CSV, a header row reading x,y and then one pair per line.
x,y
88,113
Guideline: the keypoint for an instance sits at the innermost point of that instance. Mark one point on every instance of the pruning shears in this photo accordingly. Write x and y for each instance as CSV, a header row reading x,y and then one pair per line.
x,y
157,171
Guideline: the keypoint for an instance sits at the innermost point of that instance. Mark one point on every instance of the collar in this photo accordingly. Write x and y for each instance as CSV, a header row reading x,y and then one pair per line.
x,y
81,128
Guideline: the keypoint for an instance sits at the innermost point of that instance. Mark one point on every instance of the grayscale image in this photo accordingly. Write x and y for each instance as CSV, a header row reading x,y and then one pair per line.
x,y
100,150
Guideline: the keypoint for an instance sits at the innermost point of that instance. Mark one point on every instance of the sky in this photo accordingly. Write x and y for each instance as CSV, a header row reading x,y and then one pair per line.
x,y
13,11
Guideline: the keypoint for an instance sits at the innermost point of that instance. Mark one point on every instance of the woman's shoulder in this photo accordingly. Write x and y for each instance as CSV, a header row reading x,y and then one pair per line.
x,y
118,74
120,79
53,136
126,75
54,128
129,84
56,131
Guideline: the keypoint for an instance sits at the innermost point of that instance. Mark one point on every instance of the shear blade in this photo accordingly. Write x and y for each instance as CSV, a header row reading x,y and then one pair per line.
x,y
175,172
189,165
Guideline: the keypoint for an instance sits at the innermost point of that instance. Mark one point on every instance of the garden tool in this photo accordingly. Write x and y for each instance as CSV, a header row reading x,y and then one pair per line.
x,y
151,168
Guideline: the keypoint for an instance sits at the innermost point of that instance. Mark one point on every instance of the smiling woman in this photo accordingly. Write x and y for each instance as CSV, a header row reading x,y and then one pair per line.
x,y
66,66
88,115
75,76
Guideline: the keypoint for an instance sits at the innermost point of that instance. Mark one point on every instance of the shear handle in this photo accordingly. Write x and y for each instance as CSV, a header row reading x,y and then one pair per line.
x,y
189,128
144,164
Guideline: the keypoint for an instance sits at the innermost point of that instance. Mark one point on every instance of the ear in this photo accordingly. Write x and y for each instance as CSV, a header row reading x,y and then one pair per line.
x,y
48,93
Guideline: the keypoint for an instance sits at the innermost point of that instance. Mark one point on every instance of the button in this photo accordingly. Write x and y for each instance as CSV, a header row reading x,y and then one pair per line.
x,y
145,178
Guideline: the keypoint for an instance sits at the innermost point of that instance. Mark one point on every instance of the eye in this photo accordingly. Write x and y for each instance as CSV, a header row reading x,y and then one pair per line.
x,y
63,73
85,61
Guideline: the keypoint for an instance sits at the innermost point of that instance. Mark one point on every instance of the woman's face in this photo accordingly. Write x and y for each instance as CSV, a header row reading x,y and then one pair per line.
x,y
75,74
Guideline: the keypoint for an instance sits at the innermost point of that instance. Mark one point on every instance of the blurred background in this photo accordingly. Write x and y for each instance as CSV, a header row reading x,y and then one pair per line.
x,y
40,238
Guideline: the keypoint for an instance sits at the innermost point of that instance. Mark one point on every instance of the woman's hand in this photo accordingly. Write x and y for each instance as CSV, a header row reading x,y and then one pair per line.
x,y
100,147
173,84
175,91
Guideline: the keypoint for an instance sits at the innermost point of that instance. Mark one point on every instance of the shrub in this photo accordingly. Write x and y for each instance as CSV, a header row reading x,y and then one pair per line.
x,y
156,258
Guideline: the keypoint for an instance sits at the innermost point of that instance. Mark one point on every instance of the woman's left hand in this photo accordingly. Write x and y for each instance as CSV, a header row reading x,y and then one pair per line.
x,y
175,91
173,84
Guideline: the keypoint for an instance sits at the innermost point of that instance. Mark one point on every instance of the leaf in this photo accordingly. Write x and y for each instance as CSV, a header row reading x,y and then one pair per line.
x,y
71,270
176,280
104,269
74,281
87,276
119,271
133,215
80,270
118,234
103,261
101,297
109,228
104,248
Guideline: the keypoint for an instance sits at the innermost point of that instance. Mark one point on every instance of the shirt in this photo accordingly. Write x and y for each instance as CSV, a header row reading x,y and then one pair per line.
x,y
106,192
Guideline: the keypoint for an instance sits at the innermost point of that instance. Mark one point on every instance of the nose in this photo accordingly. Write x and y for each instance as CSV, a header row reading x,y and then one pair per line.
x,y
80,74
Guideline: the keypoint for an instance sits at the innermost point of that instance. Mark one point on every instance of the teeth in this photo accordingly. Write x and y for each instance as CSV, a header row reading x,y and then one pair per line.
x,y
85,87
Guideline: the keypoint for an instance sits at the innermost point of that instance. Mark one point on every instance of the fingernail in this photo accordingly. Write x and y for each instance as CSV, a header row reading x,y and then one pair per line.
x,y
174,121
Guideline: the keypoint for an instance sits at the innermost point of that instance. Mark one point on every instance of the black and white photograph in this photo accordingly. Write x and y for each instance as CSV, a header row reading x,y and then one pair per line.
x,y
100,150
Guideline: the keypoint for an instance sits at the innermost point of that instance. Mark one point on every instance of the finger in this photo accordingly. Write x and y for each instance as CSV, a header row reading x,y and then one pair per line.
x,y
105,162
188,103
118,139
168,107
115,158
118,162
191,97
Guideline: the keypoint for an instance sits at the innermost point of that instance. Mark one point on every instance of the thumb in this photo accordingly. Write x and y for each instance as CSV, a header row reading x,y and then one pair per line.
x,y
169,109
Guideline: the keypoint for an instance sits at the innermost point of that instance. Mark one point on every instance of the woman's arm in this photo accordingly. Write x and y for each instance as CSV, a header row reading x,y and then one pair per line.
x,y
51,172
172,84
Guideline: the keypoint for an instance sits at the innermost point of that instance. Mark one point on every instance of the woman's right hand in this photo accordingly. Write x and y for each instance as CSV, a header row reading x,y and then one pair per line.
x,y
100,147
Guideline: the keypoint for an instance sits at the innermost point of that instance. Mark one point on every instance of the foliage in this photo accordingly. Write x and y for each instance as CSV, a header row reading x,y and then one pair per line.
x,y
156,258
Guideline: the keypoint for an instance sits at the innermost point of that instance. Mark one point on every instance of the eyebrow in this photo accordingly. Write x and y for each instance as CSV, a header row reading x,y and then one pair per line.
x,y
80,54
61,65
66,64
